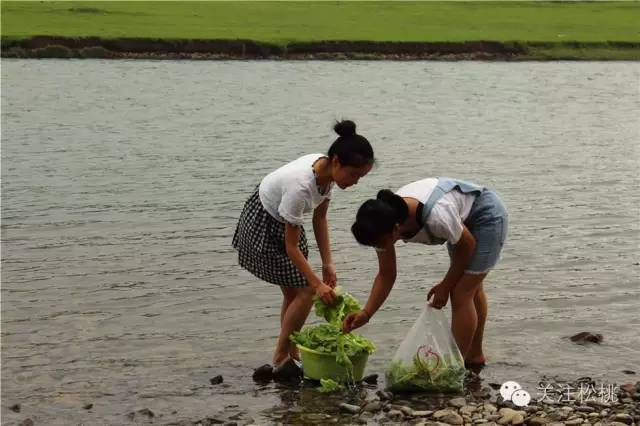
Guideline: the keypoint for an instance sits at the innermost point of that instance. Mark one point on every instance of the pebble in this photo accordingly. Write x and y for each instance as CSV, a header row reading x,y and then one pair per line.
x,y
384,395
216,380
422,413
407,411
509,416
623,418
628,387
585,409
450,417
15,408
458,402
395,415
538,421
467,409
353,409
489,408
373,406
87,406
573,422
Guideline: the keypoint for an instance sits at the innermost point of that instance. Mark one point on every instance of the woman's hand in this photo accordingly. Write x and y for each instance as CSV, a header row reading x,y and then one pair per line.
x,y
440,293
329,275
325,293
354,320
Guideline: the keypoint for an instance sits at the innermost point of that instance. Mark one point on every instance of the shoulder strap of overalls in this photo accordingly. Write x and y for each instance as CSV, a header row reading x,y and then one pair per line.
x,y
443,186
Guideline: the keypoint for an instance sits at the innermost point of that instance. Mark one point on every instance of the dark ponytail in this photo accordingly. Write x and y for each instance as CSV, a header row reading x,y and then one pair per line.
x,y
351,148
377,218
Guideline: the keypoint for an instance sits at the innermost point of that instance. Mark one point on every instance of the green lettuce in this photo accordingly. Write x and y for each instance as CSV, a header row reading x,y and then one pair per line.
x,y
329,338
419,377
343,305
329,385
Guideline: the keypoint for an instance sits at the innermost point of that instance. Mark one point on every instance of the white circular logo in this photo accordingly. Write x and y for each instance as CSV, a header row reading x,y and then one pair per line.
x,y
508,388
521,398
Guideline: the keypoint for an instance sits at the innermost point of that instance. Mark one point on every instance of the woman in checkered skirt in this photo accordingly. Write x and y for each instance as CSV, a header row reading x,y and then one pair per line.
x,y
270,238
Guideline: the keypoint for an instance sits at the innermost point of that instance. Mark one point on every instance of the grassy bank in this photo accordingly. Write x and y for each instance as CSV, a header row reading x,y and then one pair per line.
x,y
572,30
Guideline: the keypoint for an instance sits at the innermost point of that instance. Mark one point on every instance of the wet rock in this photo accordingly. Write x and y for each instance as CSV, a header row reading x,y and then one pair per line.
x,y
407,411
372,407
628,388
385,395
458,402
538,421
145,412
489,408
15,408
510,416
87,406
26,422
448,416
468,410
263,373
622,418
216,380
395,415
586,337
353,409
371,379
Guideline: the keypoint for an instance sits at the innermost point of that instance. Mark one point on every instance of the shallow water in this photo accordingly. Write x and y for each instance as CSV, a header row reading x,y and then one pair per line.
x,y
122,182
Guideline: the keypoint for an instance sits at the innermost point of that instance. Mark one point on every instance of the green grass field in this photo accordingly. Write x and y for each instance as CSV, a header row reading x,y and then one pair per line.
x,y
283,22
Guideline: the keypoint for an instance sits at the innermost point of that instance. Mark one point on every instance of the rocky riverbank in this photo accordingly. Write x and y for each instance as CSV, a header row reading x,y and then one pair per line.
x,y
480,405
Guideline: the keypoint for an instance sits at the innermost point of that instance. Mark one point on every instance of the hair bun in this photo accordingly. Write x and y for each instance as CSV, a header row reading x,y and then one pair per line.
x,y
386,196
345,128
395,202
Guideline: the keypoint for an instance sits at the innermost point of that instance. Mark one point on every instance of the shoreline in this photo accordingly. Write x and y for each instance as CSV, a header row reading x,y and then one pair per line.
x,y
39,47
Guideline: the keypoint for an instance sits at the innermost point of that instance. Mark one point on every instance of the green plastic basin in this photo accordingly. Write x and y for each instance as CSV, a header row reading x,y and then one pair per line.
x,y
317,365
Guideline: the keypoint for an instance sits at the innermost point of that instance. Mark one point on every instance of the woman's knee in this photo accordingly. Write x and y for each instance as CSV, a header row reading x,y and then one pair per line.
x,y
466,289
288,293
305,293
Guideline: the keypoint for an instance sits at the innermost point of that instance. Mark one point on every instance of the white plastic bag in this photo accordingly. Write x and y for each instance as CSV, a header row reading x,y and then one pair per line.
x,y
428,359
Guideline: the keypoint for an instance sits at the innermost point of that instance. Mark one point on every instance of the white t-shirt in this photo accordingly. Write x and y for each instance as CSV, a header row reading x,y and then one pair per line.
x,y
448,214
291,190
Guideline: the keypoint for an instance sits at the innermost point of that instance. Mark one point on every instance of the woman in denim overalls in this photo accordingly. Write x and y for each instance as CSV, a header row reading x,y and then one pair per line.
x,y
471,219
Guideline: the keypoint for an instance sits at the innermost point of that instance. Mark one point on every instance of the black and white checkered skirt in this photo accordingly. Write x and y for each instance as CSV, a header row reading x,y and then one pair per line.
x,y
259,240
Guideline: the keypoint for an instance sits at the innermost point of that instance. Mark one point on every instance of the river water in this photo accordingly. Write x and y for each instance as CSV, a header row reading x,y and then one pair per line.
x,y
122,182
